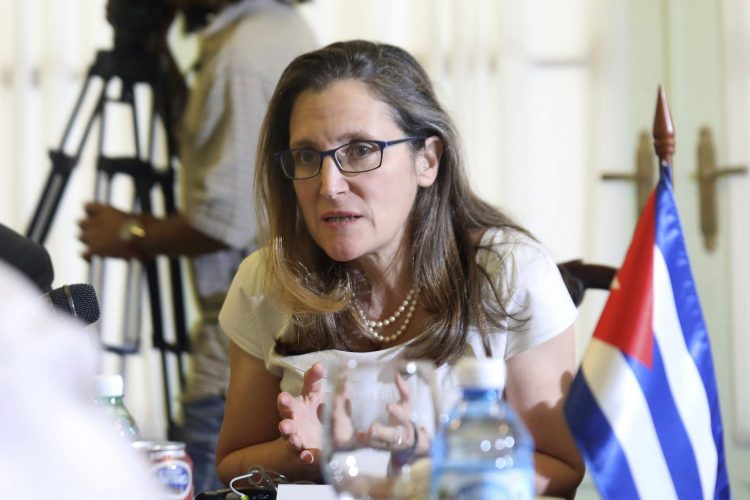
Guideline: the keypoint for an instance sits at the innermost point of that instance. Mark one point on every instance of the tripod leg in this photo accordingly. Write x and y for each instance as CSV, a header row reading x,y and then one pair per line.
x,y
155,302
62,166
165,182
144,185
161,108
175,274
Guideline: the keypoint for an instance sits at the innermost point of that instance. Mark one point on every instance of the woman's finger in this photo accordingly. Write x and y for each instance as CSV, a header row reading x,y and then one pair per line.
x,y
313,380
404,394
284,402
307,456
392,437
296,441
398,414
286,427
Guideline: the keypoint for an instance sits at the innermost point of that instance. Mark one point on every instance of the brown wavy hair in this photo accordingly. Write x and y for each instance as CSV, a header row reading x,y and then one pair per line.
x,y
445,219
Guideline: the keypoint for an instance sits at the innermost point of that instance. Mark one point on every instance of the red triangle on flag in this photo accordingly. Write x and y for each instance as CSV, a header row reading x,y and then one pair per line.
x,y
626,321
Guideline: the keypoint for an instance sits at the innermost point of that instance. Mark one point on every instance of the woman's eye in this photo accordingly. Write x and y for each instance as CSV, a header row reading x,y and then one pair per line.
x,y
305,157
361,149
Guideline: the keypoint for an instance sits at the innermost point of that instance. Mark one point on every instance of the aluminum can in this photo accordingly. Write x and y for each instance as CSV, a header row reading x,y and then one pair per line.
x,y
171,466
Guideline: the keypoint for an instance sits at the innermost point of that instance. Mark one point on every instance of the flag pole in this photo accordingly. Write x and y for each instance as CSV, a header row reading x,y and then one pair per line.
x,y
663,132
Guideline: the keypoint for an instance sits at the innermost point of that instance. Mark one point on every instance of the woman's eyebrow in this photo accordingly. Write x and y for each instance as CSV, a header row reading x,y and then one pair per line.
x,y
340,140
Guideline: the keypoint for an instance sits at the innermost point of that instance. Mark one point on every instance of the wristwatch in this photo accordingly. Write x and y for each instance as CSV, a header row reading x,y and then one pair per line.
x,y
131,230
132,233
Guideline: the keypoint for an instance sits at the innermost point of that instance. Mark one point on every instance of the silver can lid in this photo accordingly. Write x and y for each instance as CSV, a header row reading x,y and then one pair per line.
x,y
156,446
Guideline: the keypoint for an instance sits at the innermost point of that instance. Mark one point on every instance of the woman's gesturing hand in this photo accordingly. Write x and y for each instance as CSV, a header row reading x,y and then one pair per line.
x,y
399,433
301,423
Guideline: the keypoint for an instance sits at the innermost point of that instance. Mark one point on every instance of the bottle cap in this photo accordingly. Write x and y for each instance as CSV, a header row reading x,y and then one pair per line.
x,y
108,386
487,373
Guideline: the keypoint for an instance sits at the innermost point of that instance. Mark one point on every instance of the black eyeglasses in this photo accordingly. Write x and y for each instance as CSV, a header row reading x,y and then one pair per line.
x,y
352,158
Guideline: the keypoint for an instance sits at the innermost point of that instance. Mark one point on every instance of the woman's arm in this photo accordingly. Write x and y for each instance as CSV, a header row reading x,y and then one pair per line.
x,y
250,434
538,381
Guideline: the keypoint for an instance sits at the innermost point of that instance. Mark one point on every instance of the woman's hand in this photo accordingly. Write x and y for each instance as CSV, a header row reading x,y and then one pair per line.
x,y
342,427
250,431
301,423
399,434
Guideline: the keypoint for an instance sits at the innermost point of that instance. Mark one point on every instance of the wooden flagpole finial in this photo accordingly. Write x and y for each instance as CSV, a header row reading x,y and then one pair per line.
x,y
663,131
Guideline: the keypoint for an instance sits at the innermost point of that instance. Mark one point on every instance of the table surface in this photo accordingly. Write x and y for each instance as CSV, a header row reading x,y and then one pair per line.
x,y
322,492
310,492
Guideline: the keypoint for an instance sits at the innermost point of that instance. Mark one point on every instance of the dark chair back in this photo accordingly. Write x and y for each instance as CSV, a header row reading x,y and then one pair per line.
x,y
579,277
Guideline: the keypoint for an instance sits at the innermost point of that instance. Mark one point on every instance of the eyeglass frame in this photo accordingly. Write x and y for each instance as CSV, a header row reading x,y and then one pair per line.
x,y
383,145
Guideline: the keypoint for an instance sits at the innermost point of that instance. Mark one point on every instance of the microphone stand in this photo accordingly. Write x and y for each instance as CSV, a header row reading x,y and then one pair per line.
x,y
130,67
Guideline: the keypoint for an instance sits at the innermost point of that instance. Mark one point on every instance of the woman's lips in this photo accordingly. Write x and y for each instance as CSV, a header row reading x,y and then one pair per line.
x,y
340,217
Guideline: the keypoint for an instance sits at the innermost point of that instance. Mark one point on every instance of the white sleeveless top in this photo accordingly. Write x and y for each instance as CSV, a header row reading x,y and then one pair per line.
x,y
538,295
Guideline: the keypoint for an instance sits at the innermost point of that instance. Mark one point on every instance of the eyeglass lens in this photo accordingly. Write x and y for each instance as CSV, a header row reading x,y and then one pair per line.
x,y
355,157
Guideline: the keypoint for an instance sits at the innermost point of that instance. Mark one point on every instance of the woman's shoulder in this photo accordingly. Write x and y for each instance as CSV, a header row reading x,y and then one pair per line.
x,y
254,262
513,255
252,270
248,298
507,241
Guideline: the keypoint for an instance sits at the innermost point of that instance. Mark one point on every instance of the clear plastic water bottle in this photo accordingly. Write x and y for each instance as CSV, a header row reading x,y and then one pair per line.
x,y
109,395
483,451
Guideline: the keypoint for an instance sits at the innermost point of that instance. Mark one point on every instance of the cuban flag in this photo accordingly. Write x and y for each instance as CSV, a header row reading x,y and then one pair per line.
x,y
644,408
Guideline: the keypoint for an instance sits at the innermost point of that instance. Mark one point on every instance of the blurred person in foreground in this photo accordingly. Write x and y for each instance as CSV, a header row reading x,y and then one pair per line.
x,y
367,212
244,47
54,441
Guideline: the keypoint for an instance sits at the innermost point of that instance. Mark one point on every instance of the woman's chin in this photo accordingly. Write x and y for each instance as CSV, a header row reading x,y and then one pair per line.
x,y
343,254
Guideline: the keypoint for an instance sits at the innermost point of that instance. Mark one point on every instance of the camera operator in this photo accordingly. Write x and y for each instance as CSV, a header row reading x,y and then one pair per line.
x,y
245,45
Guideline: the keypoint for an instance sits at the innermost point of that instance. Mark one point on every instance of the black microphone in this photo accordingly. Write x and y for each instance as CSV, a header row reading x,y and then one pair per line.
x,y
27,256
77,300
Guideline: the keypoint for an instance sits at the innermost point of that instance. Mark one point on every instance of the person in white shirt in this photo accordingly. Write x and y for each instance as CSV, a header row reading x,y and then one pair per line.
x,y
375,247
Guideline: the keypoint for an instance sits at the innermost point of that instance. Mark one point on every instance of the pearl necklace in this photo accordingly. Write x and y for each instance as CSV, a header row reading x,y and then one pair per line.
x,y
372,326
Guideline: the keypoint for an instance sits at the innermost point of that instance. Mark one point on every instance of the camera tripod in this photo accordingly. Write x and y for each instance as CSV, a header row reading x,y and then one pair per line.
x,y
129,68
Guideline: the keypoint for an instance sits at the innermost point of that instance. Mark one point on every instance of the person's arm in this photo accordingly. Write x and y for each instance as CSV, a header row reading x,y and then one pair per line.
x,y
101,232
250,431
538,381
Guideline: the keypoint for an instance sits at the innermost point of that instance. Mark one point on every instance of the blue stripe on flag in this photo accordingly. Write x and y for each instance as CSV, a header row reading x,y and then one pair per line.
x,y
600,447
668,425
669,238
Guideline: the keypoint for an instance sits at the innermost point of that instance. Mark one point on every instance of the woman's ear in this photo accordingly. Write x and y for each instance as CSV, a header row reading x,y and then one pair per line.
x,y
428,161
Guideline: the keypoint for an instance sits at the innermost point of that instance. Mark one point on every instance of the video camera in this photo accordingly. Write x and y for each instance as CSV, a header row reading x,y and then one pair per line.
x,y
140,25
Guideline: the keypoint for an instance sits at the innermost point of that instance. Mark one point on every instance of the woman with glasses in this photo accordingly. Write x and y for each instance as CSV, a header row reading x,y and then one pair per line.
x,y
376,245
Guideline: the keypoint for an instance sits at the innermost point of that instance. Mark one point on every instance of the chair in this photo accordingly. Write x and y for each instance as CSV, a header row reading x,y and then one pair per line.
x,y
579,277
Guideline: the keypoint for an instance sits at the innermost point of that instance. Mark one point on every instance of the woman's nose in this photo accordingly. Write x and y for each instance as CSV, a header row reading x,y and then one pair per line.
x,y
332,181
